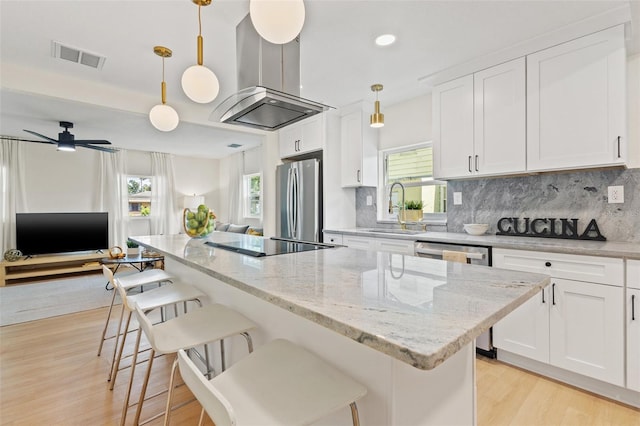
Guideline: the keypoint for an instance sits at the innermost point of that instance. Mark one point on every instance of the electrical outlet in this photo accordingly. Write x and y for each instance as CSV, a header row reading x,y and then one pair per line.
x,y
457,198
369,200
616,194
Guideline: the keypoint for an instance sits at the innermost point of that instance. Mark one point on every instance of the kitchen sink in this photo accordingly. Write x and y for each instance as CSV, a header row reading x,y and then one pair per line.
x,y
394,231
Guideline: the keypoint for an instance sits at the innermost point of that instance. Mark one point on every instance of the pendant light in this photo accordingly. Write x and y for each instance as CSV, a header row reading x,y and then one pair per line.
x,y
162,116
199,83
277,21
377,118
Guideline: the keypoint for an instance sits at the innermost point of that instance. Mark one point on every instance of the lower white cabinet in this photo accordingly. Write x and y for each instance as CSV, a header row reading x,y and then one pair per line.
x,y
574,324
633,324
332,238
379,244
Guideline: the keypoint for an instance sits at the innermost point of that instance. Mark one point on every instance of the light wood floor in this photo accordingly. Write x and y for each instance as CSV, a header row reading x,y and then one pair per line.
x,y
50,375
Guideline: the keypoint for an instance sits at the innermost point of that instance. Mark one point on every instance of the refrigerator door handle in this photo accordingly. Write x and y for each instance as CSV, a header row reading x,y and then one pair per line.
x,y
289,190
296,200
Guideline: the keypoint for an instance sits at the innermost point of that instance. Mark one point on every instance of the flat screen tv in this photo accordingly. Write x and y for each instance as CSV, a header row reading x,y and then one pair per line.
x,y
44,233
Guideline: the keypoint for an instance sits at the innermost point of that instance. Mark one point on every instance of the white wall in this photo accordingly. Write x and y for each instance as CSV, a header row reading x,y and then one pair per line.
x,y
633,110
406,123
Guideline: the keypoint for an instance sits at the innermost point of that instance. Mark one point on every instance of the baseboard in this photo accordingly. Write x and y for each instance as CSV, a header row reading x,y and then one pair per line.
x,y
607,390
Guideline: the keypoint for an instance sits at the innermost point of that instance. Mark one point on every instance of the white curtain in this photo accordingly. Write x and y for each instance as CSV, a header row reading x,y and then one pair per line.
x,y
113,196
165,218
236,170
12,185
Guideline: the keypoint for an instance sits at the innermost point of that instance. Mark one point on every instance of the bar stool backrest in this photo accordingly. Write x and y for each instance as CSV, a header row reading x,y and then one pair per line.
x,y
146,325
214,403
108,274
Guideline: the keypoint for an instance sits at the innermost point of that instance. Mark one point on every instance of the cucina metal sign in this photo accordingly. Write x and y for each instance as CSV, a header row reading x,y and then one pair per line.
x,y
549,228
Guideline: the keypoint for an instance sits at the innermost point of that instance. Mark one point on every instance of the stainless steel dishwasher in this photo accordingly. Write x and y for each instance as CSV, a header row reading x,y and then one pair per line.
x,y
476,255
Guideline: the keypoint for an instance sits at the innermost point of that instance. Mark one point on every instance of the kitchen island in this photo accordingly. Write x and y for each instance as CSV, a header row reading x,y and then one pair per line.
x,y
401,325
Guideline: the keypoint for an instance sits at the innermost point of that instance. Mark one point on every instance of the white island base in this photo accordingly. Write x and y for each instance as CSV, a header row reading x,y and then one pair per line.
x,y
398,394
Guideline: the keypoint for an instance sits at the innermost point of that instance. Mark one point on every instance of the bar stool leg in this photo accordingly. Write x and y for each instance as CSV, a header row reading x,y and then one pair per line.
x,y
354,414
106,324
167,413
125,405
116,363
143,391
117,340
201,421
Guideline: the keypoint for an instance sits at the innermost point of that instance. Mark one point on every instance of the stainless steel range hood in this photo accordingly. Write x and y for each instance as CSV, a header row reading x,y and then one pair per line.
x,y
268,83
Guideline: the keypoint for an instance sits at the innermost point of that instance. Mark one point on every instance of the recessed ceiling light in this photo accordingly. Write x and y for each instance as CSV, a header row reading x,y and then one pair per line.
x,y
385,39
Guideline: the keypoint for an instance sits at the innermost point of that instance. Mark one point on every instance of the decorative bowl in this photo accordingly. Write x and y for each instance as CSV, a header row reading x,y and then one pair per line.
x,y
199,223
476,228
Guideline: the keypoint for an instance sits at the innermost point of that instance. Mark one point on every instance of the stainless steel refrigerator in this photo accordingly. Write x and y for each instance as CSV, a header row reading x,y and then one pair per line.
x,y
299,200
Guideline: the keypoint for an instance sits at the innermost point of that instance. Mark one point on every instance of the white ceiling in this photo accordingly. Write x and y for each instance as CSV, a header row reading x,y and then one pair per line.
x,y
339,60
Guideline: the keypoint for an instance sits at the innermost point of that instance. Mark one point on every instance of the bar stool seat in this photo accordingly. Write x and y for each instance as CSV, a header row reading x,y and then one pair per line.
x,y
171,294
149,276
280,383
205,325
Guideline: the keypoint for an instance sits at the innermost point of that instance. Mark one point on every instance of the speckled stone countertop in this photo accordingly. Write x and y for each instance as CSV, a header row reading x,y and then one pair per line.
x,y
417,310
555,245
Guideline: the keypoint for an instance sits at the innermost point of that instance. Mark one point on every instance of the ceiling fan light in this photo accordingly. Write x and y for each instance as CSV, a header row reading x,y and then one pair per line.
x,y
163,117
66,147
277,21
200,84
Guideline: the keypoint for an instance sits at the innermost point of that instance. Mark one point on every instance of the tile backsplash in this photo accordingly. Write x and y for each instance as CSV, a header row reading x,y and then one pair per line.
x,y
575,195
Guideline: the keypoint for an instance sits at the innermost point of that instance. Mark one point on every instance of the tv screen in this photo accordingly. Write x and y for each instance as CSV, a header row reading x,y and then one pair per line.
x,y
42,233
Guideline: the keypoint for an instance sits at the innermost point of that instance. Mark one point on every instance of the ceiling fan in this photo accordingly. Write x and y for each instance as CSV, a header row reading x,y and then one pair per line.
x,y
67,141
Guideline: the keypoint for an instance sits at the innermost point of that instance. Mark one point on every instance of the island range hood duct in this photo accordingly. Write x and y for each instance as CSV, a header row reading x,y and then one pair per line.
x,y
268,82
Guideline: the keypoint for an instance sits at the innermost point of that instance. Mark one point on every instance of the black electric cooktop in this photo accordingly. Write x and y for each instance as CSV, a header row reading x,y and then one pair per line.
x,y
258,247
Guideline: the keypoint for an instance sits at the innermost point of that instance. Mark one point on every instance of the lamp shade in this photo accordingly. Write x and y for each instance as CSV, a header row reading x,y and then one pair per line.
x,y
277,21
200,84
193,201
163,117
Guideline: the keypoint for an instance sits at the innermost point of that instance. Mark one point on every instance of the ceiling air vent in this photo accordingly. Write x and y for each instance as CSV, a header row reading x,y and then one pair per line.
x,y
76,55
234,145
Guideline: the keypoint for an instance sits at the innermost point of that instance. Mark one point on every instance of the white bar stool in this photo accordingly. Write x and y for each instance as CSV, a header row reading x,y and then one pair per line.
x,y
171,294
205,325
279,384
149,276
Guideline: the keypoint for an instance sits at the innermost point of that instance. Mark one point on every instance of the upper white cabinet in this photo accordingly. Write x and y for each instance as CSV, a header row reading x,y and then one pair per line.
x,y
359,162
479,123
302,137
576,103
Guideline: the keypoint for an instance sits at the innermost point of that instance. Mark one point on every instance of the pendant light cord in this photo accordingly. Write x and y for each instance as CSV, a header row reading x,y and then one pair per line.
x,y
199,21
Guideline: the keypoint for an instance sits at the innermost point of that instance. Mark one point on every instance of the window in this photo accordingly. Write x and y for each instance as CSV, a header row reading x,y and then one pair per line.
x,y
252,195
139,188
413,167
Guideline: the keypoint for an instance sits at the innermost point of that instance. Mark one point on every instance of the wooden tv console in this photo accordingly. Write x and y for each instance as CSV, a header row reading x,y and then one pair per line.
x,y
44,266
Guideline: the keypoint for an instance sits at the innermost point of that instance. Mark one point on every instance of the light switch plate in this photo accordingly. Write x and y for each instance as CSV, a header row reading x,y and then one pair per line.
x,y
616,194
369,200
457,198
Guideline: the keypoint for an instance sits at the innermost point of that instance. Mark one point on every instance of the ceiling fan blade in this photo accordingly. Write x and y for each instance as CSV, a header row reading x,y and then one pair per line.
x,y
47,142
99,148
41,136
88,141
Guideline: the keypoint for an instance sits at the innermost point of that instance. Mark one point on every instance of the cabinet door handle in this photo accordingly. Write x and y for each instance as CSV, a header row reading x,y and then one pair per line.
x,y
477,164
358,176
542,291
553,293
470,171
633,307
618,146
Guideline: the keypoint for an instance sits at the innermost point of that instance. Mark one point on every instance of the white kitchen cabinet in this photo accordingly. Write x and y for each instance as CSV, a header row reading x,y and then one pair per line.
x,y
583,331
576,103
332,238
388,245
302,137
633,324
479,123
359,142
587,329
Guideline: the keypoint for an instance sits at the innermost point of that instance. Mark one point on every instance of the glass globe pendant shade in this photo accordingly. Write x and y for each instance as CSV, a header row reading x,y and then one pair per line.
x,y
277,21
200,84
163,117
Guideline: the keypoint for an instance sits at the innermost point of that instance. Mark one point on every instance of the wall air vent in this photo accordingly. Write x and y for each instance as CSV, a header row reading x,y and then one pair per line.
x,y
234,145
76,55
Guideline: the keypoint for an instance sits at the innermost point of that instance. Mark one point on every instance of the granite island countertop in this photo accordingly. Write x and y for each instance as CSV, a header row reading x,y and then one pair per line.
x,y
417,310
620,249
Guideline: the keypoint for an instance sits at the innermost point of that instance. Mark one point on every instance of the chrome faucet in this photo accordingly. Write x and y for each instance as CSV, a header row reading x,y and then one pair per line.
x,y
402,223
